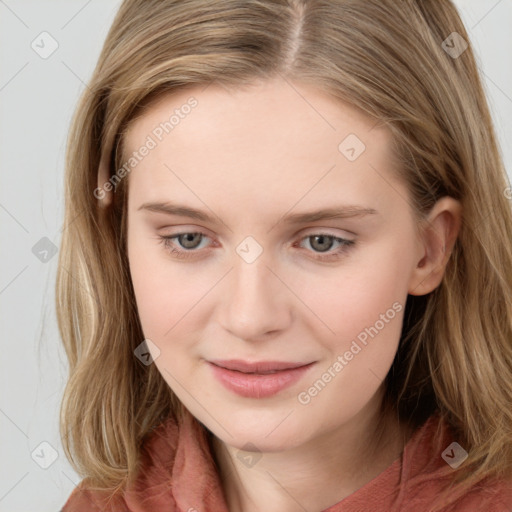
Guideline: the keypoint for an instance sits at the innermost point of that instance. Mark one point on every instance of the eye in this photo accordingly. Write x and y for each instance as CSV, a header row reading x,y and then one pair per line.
x,y
189,242
322,243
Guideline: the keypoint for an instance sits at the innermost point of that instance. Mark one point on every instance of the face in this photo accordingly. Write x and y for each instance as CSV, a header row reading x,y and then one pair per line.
x,y
271,251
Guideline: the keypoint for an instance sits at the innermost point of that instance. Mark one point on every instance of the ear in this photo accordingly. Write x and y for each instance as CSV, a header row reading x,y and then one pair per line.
x,y
104,192
437,237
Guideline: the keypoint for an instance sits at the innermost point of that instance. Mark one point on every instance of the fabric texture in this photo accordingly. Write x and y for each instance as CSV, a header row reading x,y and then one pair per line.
x,y
178,473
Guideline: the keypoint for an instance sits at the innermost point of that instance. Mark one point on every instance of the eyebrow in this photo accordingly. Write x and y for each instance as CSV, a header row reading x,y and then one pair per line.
x,y
342,212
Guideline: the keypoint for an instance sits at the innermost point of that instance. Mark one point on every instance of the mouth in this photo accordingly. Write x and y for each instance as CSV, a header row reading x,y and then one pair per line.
x,y
259,379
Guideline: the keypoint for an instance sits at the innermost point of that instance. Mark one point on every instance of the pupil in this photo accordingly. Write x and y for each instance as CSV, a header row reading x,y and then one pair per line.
x,y
322,239
188,238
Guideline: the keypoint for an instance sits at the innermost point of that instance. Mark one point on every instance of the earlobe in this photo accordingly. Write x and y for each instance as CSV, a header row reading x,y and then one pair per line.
x,y
104,191
438,235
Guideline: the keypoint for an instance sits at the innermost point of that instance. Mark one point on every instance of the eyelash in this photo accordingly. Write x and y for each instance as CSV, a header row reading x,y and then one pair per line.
x,y
185,254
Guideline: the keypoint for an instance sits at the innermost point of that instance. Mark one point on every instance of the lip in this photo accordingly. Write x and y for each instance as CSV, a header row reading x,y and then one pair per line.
x,y
258,379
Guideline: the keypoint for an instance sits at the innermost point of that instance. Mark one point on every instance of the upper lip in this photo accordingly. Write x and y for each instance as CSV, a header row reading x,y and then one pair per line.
x,y
256,366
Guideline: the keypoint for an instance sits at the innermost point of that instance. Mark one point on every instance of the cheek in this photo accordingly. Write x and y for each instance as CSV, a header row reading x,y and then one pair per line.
x,y
365,310
373,283
164,290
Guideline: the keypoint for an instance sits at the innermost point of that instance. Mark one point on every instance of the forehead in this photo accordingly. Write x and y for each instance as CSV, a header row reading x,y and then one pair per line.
x,y
274,140
302,112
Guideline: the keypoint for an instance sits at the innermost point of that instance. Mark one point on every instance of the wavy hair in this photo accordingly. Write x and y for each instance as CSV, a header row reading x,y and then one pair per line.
x,y
384,57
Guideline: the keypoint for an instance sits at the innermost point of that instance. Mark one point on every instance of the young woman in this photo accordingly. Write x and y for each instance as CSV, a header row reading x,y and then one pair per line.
x,y
285,281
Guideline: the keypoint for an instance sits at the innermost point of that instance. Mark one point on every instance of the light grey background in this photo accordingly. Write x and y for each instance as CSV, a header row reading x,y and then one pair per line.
x,y
37,98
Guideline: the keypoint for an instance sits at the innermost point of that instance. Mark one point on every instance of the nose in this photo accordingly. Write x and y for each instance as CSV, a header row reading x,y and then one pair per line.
x,y
256,303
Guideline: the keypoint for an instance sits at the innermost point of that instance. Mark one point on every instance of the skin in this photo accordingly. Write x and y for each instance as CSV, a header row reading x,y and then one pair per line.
x,y
249,157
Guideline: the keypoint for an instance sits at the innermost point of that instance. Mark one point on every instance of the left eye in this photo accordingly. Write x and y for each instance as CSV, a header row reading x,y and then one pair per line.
x,y
323,243
320,243
188,241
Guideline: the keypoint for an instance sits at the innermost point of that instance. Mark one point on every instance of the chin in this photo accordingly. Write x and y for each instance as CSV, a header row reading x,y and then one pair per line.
x,y
249,431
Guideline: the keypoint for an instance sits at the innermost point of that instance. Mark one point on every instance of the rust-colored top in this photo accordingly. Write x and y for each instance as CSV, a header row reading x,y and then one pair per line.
x,y
178,474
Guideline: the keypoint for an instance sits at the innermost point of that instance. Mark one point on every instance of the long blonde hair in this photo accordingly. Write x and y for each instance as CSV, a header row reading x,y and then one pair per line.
x,y
384,57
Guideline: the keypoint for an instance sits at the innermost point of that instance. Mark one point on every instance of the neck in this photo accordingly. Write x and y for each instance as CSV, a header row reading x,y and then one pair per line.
x,y
317,474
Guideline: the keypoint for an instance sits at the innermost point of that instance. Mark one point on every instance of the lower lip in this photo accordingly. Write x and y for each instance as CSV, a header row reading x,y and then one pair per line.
x,y
253,385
